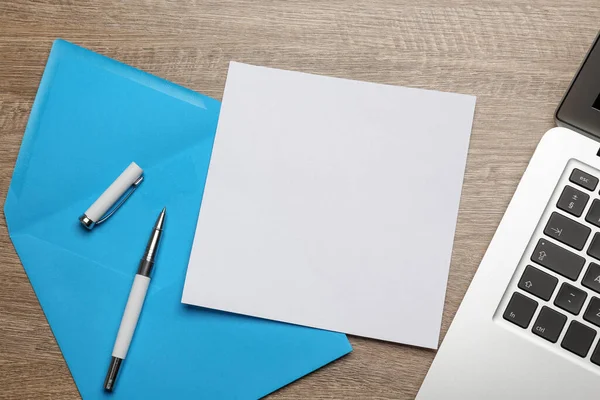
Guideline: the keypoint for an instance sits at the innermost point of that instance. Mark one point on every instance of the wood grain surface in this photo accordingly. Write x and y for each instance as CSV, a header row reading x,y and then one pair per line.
x,y
516,56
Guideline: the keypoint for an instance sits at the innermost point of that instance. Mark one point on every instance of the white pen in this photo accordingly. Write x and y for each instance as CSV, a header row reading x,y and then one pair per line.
x,y
134,304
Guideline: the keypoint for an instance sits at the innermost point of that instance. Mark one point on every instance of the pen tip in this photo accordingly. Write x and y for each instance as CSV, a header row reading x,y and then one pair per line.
x,y
161,219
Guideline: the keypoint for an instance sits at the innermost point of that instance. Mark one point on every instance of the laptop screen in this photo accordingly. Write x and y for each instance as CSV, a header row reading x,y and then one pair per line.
x,y
580,108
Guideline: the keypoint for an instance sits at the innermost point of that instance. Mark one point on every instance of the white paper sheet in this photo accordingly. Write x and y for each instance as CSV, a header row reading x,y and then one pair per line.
x,y
331,203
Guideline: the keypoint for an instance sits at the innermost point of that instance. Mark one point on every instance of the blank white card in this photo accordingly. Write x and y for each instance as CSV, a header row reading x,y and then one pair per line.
x,y
331,203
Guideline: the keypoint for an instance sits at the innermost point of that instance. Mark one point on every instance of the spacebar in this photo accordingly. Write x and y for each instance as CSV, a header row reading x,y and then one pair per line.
x,y
558,259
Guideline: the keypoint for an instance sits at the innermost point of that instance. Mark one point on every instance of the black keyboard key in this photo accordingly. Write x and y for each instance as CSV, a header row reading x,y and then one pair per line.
x,y
549,324
594,248
570,299
538,283
520,310
567,231
572,201
591,278
596,355
578,339
583,179
558,259
592,313
593,214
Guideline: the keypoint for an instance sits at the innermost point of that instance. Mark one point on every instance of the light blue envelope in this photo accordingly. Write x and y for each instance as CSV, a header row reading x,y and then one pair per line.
x,y
92,116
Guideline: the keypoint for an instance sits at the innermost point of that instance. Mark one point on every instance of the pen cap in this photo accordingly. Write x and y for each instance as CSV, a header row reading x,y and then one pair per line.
x,y
128,180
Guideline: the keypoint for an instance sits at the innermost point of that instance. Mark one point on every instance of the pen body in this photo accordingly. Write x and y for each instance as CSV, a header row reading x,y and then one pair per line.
x,y
131,315
134,305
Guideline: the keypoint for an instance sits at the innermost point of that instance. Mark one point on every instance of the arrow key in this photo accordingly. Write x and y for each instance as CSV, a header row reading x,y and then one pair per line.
x,y
538,283
570,299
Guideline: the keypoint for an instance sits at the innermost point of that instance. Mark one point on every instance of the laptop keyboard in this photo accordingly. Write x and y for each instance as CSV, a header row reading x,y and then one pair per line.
x,y
557,295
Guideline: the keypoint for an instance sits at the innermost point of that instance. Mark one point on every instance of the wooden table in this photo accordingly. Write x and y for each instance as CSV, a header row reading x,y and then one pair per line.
x,y
517,56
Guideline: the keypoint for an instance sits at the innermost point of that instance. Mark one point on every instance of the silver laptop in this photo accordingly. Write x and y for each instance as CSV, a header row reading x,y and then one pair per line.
x,y
529,325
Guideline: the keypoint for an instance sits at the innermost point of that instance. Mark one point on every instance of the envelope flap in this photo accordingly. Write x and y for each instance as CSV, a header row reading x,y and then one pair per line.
x,y
80,138
105,116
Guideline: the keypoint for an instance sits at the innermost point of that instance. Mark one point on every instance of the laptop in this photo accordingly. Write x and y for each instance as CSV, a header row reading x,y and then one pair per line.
x,y
529,325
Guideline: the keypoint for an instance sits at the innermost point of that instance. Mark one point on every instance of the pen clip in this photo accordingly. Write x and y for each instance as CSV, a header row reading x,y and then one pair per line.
x,y
123,199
